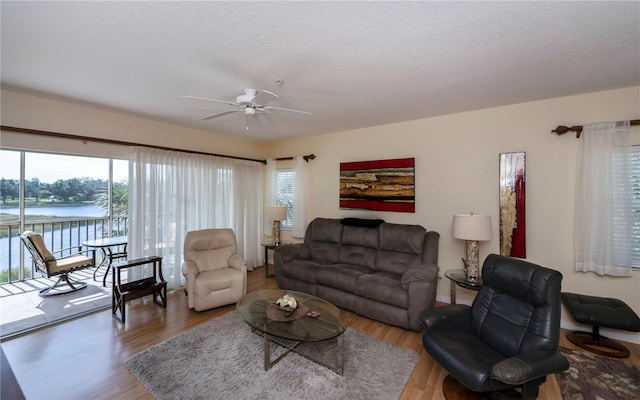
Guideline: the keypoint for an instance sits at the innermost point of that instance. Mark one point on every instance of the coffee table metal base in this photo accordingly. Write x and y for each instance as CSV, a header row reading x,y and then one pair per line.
x,y
338,367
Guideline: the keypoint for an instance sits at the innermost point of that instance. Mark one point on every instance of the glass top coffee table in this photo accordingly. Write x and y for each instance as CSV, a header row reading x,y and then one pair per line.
x,y
256,309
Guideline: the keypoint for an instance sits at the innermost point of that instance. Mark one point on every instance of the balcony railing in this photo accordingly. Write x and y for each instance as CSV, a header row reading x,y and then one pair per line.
x,y
58,234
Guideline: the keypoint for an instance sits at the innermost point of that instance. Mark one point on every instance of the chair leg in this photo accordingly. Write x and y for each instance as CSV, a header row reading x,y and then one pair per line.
x,y
64,279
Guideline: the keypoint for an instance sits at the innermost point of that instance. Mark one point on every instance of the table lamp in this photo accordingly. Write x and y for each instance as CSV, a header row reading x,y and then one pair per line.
x,y
472,228
276,214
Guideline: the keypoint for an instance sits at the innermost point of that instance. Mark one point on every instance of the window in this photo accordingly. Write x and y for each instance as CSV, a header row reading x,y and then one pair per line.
x,y
285,179
635,206
67,198
626,220
605,242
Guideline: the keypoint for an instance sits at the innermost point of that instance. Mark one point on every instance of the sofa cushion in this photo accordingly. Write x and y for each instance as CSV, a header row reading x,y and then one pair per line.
x,y
396,262
383,286
402,238
324,252
325,230
324,237
341,276
358,236
357,255
303,270
359,246
400,247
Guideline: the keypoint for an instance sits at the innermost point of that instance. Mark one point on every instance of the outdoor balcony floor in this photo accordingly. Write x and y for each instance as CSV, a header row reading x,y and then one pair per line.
x,y
22,310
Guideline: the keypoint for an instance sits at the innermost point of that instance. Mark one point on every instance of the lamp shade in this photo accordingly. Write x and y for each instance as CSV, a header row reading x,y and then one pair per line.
x,y
472,226
277,213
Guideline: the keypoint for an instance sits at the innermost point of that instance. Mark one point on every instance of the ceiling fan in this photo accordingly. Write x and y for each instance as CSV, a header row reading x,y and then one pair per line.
x,y
253,103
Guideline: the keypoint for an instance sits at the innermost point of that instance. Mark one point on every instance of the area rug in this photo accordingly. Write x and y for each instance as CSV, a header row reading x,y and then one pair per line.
x,y
596,377
223,359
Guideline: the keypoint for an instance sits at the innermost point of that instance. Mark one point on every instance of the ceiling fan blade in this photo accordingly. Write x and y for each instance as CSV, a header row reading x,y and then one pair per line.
x,y
219,114
264,120
212,100
268,109
264,97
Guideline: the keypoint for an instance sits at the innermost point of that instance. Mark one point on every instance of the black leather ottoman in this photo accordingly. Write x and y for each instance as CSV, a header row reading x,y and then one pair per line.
x,y
600,311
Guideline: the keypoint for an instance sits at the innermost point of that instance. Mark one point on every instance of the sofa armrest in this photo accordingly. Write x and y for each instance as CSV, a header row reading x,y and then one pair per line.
x,y
237,262
420,272
190,271
297,251
451,317
529,366
189,268
421,283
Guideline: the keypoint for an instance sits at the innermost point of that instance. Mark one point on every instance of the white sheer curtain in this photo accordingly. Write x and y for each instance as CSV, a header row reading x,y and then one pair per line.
x,y
300,190
269,195
171,193
603,200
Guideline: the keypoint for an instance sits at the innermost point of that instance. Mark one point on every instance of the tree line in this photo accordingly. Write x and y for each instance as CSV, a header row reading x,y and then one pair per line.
x,y
67,190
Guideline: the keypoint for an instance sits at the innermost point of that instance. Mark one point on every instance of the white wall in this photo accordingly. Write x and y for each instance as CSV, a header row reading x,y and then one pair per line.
x,y
30,111
457,171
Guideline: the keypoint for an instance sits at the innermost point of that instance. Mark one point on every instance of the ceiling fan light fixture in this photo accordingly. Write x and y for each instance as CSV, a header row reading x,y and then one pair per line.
x,y
252,103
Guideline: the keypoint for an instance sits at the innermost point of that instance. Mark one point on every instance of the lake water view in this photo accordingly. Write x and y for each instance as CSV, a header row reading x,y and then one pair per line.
x,y
62,212
10,246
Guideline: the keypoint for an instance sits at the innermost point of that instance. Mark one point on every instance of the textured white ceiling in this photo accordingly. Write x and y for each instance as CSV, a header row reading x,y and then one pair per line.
x,y
352,64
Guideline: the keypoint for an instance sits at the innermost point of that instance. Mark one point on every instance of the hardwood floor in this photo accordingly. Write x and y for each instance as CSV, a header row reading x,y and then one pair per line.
x,y
82,359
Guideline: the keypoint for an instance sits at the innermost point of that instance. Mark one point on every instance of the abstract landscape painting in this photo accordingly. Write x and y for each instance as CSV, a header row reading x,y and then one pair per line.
x,y
512,205
382,185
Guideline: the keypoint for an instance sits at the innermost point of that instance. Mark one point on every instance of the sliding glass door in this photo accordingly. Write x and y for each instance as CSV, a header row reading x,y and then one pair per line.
x,y
66,198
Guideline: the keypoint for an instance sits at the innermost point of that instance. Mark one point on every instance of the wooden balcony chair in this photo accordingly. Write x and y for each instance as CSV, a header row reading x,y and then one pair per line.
x,y
48,265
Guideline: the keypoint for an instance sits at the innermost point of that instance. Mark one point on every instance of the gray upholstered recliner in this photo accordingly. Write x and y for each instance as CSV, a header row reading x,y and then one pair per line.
x,y
216,275
508,338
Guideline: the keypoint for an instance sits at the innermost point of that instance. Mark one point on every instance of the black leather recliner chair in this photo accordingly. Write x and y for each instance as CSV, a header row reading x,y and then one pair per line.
x,y
507,340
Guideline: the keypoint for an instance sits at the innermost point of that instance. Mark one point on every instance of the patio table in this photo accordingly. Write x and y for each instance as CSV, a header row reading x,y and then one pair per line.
x,y
107,246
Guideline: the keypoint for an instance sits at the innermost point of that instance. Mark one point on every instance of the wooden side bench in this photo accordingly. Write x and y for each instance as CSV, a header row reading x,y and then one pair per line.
x,y
152,285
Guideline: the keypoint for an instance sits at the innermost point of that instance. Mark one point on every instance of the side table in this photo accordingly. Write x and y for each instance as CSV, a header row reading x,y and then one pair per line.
x,y
459,278
152,285
270,246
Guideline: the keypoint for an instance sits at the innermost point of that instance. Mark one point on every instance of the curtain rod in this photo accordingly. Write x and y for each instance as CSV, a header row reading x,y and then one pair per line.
x,y
120,142
306,158
561,129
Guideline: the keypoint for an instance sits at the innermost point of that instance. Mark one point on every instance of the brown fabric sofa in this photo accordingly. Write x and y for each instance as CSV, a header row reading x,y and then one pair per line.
x,y
387,272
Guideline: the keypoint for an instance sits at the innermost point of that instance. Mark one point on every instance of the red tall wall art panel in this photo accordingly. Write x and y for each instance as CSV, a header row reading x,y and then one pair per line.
x,y
512,205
